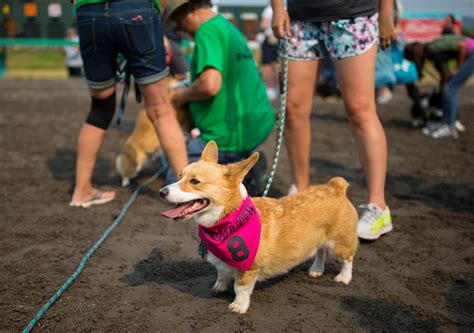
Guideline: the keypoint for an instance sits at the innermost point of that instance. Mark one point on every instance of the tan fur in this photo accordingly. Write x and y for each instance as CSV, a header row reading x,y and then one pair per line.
x,y
294,228
143,142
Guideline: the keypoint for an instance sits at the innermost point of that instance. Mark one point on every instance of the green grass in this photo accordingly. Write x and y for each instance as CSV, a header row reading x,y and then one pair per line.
x,y
31,59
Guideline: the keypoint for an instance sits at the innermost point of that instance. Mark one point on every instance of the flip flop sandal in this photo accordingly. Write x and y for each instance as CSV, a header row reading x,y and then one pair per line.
x,y
95,200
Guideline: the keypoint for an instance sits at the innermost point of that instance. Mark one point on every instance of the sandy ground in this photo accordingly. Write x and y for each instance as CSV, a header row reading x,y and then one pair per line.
x,y
148,277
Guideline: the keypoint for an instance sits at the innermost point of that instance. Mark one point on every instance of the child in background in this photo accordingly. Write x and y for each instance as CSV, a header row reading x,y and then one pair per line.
x,y
73,54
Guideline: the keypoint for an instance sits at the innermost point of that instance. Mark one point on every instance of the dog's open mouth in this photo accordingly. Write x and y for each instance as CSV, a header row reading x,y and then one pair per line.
x,y
186,209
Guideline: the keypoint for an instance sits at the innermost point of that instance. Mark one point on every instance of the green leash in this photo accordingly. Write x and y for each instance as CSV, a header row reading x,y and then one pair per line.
x,y
281,116
91,251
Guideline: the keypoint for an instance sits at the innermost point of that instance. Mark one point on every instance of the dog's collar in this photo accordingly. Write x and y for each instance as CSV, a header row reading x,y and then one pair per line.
x,y
236,237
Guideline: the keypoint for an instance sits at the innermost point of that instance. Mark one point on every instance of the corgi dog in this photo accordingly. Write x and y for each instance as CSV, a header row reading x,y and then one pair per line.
x,y
143,144
253,239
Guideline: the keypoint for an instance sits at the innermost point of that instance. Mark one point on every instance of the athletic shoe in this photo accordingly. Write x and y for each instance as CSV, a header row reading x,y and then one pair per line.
x,y
374,222
292,189
272,94
444,131
459,126
384,96
431,126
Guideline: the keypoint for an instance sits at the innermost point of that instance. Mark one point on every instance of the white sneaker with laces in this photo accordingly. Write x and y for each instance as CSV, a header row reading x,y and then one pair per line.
x,y
374,222
444,131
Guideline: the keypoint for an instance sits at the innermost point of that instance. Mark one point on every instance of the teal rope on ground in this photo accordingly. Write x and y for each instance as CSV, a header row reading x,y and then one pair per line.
x,y
281,120
91,251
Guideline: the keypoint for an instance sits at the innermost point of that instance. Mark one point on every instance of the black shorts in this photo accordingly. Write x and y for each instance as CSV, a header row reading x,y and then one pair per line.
x,y
269,52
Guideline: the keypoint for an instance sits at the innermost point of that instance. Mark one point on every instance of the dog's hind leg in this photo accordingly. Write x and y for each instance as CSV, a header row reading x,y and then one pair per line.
x,y
346,253
243,287
225,274
317,269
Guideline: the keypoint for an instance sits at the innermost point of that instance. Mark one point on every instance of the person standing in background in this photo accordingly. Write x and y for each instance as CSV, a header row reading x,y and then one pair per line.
x,y
269,54
73,54
347,32
132,28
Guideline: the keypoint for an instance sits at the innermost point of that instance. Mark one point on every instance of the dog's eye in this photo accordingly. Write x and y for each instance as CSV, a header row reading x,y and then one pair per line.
x,y
194,181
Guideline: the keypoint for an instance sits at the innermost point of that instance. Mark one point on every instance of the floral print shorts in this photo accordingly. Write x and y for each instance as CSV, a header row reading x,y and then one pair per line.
x,y
335,39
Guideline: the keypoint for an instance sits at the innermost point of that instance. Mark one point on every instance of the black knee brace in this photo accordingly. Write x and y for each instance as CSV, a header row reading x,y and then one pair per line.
x,y
102,112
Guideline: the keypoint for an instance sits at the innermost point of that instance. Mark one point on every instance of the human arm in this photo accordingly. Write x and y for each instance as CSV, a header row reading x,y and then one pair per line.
x,y
280,20
386,28
207,85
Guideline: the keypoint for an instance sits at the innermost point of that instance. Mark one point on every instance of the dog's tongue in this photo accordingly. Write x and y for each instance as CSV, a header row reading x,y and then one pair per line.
x,y
174,213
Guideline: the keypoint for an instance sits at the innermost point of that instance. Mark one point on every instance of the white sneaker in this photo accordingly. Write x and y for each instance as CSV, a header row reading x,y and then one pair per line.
x,y
384,97
272,94
459,126
444,131
293,189
431,126
374,222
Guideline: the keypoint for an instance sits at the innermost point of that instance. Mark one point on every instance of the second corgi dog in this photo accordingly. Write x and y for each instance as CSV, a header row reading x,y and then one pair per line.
x,y
140,146
143,143
249,240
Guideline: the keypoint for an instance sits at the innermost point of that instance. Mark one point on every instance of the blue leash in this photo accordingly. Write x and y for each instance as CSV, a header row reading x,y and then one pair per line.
x,y
91,251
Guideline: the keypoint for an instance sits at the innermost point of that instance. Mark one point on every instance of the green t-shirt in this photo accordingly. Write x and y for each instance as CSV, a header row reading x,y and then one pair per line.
x,y
445,44
442,50
79,3
240,116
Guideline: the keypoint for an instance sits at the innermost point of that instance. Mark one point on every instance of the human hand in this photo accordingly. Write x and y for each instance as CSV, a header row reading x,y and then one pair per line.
x,y
281,23
386,31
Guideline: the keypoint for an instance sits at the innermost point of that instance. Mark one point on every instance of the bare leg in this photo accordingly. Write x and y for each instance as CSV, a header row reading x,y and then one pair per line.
x,y
89,143
301,82
160,111
356,79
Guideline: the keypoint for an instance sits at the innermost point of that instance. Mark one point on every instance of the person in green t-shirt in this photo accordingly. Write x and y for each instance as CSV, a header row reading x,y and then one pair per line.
x,y
440,51
227,98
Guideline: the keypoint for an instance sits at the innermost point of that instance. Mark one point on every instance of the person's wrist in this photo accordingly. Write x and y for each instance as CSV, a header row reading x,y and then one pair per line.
x,y
385,16
279,9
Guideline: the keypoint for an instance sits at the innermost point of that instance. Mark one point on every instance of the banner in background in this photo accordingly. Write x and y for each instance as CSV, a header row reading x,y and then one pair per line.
x,y
423,27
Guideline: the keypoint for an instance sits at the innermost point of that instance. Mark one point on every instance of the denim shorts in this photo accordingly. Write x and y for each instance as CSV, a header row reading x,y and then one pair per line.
x,y
334,39
131,28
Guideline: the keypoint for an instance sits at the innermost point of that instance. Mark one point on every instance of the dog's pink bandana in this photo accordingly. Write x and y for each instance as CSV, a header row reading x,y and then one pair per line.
x,y
235,238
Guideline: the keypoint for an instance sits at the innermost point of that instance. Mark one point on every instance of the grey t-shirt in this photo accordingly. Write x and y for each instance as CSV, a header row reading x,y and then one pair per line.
x,y
330,10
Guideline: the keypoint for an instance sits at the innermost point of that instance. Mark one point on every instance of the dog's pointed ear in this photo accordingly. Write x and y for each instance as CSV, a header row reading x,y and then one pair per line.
x,y
209,154
240,169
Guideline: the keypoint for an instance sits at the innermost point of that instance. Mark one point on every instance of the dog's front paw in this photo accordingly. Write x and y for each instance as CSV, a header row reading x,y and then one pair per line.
x,y
220,287
238,307
344,278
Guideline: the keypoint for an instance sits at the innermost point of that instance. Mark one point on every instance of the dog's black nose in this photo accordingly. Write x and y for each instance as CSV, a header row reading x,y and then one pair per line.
x,y
164,192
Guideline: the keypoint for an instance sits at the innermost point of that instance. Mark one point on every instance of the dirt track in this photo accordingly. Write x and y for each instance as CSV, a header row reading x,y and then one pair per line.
x,y
148,277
